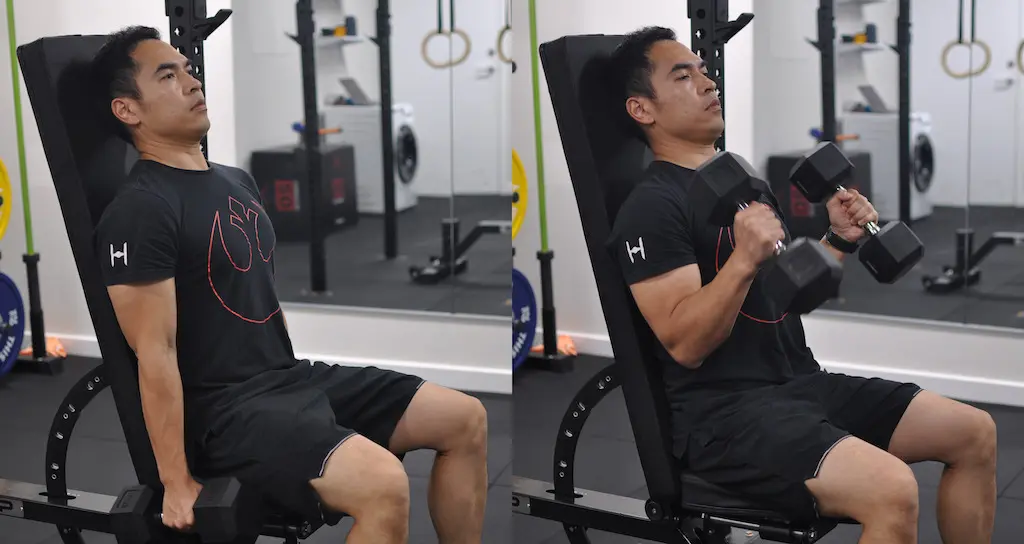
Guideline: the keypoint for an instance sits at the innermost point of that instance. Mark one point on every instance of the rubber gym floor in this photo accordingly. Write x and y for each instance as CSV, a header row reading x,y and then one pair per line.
x,y
98,459
358,275
607,461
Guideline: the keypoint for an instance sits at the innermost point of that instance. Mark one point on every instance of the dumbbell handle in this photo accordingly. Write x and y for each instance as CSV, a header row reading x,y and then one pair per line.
x,y
871,228
779,246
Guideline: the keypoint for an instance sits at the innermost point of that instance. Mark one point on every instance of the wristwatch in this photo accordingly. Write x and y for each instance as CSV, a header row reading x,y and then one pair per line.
x,y
839,242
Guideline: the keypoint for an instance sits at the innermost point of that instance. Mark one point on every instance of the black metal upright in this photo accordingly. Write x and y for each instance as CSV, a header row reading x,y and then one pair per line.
x,y
903,49
306,28
710,30
386,124
189,28
827,48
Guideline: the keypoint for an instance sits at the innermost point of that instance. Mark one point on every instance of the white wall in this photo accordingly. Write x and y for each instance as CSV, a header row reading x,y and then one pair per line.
x,y
576,301
787,103
269,98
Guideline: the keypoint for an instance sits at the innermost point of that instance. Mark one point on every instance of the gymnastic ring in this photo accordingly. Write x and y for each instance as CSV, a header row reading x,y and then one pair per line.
x,y
440,65
969,73
507,59
1020,57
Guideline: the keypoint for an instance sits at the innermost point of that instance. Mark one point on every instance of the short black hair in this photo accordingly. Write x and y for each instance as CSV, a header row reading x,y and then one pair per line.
x,y
632,61
631,64
115,69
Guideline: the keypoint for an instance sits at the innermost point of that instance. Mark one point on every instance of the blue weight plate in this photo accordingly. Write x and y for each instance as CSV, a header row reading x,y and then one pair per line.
x,y
12,323
524,318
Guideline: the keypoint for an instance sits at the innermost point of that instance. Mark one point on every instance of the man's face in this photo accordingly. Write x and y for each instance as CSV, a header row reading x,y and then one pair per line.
x,y
686,105
172,105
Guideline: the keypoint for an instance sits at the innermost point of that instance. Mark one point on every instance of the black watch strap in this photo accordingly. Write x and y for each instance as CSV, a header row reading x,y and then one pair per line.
x,y
839,242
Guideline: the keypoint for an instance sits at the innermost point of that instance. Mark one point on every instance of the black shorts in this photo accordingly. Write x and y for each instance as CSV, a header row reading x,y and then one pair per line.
x,y
765,443
278,440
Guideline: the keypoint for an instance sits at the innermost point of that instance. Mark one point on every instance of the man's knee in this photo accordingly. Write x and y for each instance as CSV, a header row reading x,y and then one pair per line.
x,y
979,442
475,430
469,431
365,481
860,481
897,499
391,486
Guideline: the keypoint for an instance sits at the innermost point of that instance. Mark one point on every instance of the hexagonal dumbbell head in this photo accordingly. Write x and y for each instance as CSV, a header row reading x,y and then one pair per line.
x,y
223,511
817,173
133,516
892,252
720,183
804,277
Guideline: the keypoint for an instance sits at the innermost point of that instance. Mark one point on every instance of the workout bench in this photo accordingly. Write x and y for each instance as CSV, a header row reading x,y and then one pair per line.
x,y
604,162
88,163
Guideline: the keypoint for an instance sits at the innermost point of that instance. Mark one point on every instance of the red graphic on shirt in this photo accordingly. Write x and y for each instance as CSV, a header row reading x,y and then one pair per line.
x,y
237,246
718,268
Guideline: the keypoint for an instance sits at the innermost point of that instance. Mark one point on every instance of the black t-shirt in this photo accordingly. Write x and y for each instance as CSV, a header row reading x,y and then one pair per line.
x,y
207,230
655,232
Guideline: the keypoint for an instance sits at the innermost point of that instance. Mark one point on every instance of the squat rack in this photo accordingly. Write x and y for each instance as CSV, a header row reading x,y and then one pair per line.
x,y
306,33
826,46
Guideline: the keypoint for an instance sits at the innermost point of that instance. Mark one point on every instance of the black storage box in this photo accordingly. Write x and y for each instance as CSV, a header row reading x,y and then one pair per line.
x,y
803,217
280,173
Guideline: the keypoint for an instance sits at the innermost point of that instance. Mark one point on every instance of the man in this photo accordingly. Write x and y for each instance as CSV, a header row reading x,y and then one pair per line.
x,y
752,409
188,256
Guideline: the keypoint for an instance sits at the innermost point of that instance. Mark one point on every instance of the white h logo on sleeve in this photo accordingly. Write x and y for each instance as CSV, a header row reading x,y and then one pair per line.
x,y
119,254
638,249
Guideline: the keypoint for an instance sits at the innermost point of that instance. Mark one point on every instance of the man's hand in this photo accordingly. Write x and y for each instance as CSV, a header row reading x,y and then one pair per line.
x,y
849,211
757,230
178,502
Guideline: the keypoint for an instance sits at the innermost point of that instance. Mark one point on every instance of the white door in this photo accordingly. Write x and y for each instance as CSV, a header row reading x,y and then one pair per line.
x,y
479,135
993,107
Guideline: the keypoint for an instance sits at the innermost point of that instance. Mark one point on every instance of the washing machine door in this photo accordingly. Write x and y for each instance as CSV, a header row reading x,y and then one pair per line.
x,y
406,154
923,163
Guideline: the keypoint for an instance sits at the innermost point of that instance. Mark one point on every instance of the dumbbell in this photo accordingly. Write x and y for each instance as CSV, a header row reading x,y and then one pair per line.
x,y
890,251
222,513
803,275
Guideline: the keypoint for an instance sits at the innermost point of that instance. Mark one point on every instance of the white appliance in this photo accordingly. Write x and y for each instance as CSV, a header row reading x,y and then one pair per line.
x,y
360,128
878,134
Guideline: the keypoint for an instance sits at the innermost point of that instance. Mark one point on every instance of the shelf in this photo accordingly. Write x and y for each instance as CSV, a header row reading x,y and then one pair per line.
x,y
847,48
860,2
329,41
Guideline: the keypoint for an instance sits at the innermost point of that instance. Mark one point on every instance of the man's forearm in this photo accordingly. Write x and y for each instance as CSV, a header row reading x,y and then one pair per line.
x,y
708,316
164,410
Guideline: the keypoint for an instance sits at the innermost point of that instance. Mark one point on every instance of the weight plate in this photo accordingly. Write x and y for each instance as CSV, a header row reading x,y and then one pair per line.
x,y
12,323
524,318
6,199
519,193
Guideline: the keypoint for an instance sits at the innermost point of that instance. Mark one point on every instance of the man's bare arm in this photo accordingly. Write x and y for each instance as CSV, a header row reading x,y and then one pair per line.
x,y
692,321
147,314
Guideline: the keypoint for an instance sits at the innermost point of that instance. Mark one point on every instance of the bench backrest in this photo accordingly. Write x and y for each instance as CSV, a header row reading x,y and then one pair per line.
x,y
605,162
88,163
